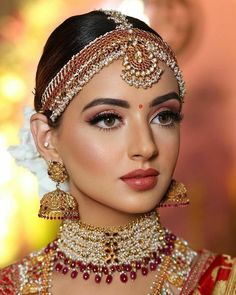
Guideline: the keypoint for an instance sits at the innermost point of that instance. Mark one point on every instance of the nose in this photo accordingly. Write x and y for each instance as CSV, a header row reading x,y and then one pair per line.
x,y
142,145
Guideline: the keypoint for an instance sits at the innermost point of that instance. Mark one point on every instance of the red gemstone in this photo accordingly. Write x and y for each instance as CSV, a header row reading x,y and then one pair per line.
x,y
66,261
60,254
109,279
73,264
105,270
154,254
153,266
95,268
113,268
158,260
144,271
138,264
167,251
82,267
172,237
123,278
54,246
128,267
170,245
119,268
58,267
74,274
47,249
65,270
98,279
86,276
133,275
167,237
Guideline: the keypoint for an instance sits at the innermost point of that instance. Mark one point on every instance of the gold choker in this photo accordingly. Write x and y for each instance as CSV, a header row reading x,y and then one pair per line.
x,y
102,252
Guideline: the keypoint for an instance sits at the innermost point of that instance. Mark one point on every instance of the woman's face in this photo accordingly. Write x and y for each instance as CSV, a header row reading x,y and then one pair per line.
x,y
111,129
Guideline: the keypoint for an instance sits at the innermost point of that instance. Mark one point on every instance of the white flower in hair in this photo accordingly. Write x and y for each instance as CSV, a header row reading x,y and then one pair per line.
x,y
27,156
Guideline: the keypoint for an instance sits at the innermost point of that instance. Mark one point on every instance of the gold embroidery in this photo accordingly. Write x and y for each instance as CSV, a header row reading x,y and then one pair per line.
x,y
35,273
231,284
201,264
219,288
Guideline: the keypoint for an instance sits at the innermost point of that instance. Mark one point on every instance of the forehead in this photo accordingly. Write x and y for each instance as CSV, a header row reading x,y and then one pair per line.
x,y
108,83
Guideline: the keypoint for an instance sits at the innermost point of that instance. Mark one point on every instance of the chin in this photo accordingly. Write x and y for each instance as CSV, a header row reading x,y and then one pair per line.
x,y
139,207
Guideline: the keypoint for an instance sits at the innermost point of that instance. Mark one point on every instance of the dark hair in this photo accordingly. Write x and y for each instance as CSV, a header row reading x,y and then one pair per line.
x,y
68,39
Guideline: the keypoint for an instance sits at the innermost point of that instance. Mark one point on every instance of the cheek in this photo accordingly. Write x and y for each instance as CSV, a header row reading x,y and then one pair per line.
x,y
168,145
91,153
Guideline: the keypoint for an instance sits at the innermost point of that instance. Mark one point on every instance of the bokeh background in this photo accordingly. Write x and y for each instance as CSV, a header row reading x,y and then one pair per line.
x,y
203,35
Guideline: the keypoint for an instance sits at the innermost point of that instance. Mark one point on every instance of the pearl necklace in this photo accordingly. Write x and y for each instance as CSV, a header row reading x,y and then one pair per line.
x,y
101,252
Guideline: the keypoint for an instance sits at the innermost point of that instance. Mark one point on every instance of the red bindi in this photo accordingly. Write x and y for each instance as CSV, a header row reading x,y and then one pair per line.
x,y
140,106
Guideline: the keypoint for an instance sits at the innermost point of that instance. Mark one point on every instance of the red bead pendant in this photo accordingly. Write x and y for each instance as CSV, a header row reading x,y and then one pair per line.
x,y
138,264
123,278
98,278
105,270
86,276
153,266
58,267
74,274
133,275
109,279
144,271
65,270
127,267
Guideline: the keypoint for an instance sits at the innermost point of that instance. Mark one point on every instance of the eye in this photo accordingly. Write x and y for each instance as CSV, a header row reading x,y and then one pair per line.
x,y
167,118
106,121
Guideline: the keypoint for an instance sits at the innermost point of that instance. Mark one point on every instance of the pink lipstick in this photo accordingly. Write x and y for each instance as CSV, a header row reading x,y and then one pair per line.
x,y
141,179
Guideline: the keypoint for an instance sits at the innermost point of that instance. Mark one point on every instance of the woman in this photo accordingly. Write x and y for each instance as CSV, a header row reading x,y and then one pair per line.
x,y
108,98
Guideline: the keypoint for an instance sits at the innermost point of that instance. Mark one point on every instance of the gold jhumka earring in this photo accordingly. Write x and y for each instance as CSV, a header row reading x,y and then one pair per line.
x,y
58,204
176,195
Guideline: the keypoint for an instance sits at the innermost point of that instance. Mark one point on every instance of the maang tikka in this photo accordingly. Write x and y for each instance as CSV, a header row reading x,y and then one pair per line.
x,y
58,204
143,55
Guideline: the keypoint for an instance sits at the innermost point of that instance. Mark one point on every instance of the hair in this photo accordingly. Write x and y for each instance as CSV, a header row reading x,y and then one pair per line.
x,y
66,40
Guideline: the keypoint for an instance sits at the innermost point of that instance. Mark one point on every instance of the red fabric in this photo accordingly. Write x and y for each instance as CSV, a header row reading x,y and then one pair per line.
x,y
218,271
9,280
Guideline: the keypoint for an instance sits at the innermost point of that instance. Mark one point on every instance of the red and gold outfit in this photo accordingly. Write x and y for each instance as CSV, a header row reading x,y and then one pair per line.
x,y
210,274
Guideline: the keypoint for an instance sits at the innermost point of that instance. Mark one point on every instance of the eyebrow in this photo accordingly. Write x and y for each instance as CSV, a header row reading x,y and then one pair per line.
x,y
124,104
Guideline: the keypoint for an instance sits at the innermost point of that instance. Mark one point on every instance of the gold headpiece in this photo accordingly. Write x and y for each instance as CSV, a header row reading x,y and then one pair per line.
x,y
141,51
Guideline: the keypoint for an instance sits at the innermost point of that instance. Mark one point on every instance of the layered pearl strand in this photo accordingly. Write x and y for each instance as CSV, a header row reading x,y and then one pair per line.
x,y
102,252
142,246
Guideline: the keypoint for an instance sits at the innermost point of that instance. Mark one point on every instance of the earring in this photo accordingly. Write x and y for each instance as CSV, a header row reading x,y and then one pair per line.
x,y
176,195
46,144
58,204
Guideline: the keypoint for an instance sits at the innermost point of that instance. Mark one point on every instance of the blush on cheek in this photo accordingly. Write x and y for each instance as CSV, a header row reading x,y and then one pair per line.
x,y
90,155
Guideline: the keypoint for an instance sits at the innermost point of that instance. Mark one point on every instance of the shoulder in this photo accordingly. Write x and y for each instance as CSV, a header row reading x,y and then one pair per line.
x,y
219,277
28,275
213,274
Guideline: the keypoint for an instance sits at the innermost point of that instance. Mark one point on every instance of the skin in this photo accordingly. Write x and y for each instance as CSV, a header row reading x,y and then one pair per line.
x,y
96,159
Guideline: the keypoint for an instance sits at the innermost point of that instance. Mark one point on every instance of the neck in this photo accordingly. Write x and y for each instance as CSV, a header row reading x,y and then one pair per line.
x,y
97,214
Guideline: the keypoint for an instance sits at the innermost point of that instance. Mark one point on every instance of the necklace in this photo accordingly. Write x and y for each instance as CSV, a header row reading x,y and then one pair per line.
x,y
142,246
100,252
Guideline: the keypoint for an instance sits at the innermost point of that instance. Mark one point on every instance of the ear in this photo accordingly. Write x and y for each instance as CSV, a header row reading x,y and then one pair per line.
x,y
43,133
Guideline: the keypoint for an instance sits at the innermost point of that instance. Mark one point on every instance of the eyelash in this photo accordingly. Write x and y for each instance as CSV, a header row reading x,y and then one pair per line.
x,y
175,116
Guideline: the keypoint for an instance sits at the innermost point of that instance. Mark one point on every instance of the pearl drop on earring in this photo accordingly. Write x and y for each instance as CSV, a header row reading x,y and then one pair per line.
x,y
46,144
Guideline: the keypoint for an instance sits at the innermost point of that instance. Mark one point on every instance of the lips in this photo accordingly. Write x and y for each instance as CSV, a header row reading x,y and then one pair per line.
x,y
140,173
141,179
